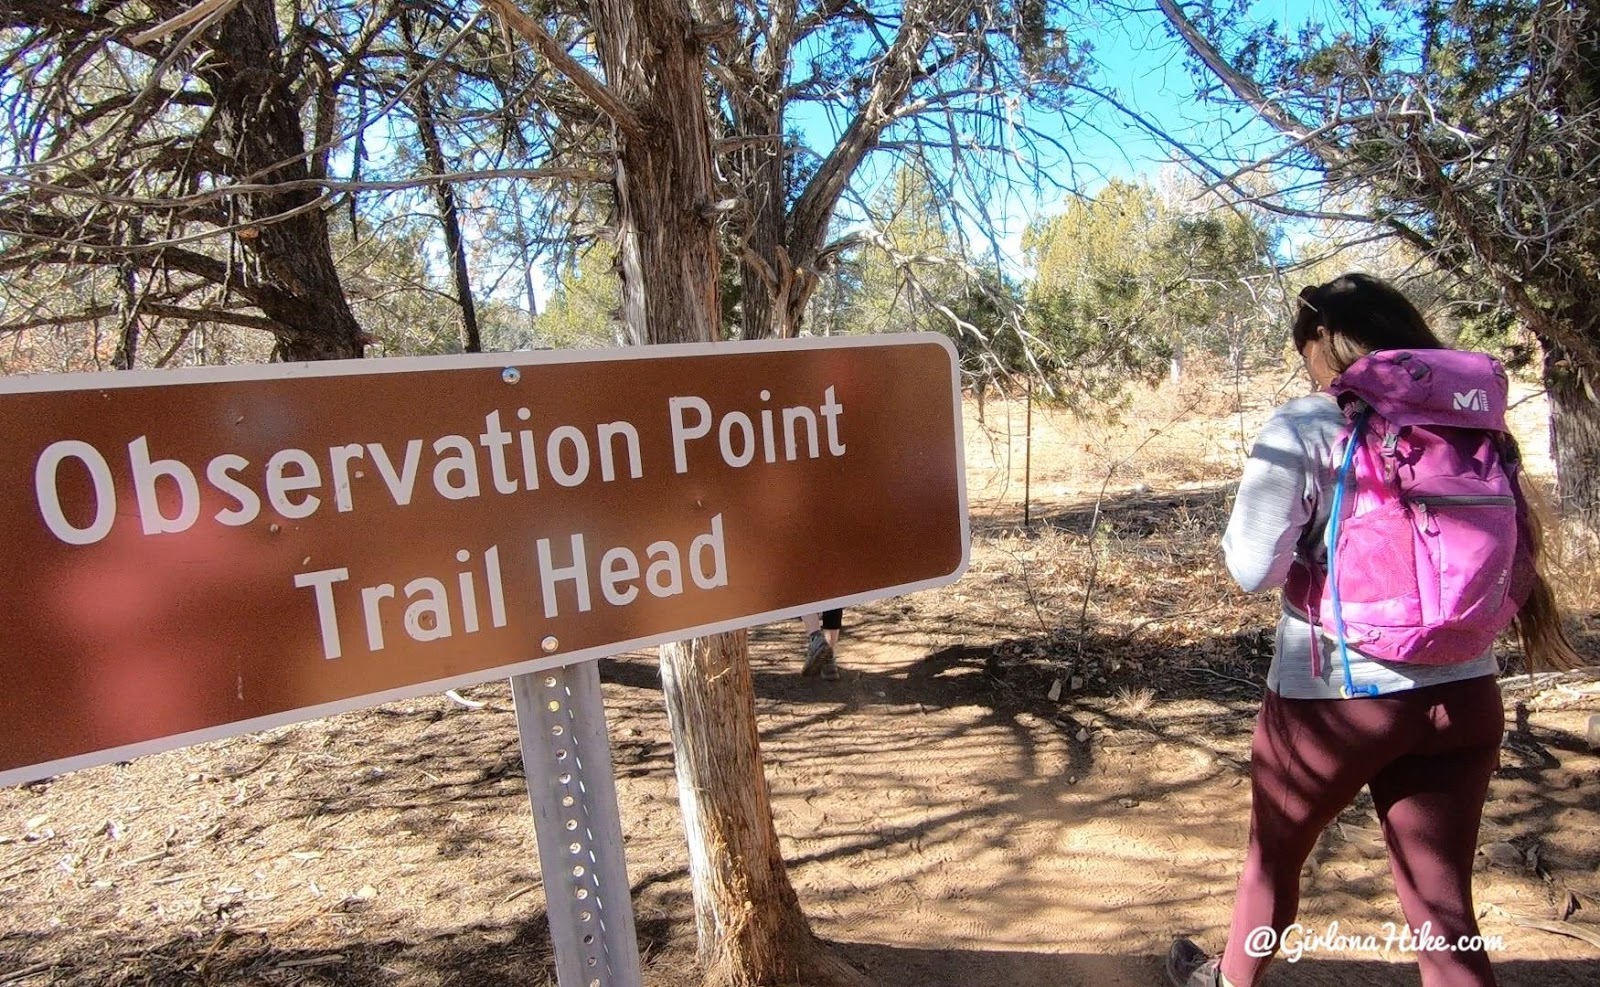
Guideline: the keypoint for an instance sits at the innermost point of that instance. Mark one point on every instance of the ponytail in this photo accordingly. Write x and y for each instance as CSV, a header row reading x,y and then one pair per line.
x,y
1538,623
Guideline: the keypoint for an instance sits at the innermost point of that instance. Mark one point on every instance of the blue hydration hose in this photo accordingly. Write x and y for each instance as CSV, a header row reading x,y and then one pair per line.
x,y
1349,690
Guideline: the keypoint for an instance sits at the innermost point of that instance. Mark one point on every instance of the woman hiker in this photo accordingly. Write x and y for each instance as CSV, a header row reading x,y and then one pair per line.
x,y
1424,738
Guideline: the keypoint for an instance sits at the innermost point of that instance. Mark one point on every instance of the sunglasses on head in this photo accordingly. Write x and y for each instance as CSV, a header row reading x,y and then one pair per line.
x,y
1305,298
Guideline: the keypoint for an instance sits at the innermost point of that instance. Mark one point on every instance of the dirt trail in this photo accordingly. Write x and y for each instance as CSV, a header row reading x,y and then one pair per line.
x,y
971,837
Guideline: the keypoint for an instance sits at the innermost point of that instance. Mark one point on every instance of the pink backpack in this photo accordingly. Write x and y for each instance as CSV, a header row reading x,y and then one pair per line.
x,y
1427,558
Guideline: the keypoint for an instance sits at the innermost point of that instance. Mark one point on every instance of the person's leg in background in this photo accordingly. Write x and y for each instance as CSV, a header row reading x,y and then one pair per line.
x,y
822,636
832,624
1430,804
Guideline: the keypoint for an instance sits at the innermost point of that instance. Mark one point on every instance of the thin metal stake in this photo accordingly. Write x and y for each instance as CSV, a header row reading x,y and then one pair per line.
x,y
1027,465
566,756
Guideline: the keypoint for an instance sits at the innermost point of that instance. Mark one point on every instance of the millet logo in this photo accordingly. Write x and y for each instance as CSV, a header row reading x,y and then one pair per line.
x,y
1476,399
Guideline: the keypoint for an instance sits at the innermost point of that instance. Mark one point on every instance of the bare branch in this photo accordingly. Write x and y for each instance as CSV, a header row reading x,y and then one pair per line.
x,y
160,309
205,10
331,185
608,101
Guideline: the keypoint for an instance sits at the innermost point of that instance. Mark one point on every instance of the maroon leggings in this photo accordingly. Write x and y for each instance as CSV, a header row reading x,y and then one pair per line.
x,y
1427,756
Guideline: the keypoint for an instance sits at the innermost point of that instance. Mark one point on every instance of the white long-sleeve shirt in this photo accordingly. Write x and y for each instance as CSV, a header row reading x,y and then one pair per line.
x,y
1280,514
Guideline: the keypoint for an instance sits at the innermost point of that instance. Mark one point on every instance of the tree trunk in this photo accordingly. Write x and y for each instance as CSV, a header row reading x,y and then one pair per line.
x,y
751,929
764,269
450,219
127,351
1574,441
525,254
786,246
284,234
747,916
777,282
444,195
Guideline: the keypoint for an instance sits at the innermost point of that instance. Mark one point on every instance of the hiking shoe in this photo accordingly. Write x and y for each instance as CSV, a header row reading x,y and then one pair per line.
x,y
819,658
1189,966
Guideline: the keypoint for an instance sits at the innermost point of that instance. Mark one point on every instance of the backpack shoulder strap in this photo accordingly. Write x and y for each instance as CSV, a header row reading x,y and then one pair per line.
x,y
1335,516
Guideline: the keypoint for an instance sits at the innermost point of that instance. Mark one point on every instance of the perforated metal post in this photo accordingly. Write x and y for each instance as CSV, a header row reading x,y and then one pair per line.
x,y
566,756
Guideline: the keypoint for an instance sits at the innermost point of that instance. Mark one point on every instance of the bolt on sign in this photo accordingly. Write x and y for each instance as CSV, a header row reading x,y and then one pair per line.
x,y
195,554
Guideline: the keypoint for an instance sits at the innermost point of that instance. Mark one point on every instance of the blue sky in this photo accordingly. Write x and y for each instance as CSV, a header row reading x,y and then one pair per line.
x,y
1147,70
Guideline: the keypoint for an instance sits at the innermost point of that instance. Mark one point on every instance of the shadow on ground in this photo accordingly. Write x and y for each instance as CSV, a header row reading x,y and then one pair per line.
x,y
898,966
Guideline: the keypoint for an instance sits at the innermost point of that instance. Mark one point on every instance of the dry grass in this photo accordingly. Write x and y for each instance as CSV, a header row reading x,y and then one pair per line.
x,y
1098,539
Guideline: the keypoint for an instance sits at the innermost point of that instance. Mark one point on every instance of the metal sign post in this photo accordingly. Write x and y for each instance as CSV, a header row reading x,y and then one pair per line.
x,y
566,756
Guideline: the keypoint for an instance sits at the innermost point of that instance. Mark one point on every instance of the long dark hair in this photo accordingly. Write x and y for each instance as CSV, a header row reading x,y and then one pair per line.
x,y
1359,313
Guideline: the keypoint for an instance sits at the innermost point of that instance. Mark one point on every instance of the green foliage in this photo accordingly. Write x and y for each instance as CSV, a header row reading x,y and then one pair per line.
x,y
1128,280
909,271
1123,282
1096,281
391,294
582,311
910,264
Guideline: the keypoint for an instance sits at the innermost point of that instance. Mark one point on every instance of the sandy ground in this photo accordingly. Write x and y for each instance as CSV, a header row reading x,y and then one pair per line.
x,y
945,820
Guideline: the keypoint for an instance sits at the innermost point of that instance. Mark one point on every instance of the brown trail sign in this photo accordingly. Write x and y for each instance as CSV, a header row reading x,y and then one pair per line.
x,y
196,554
